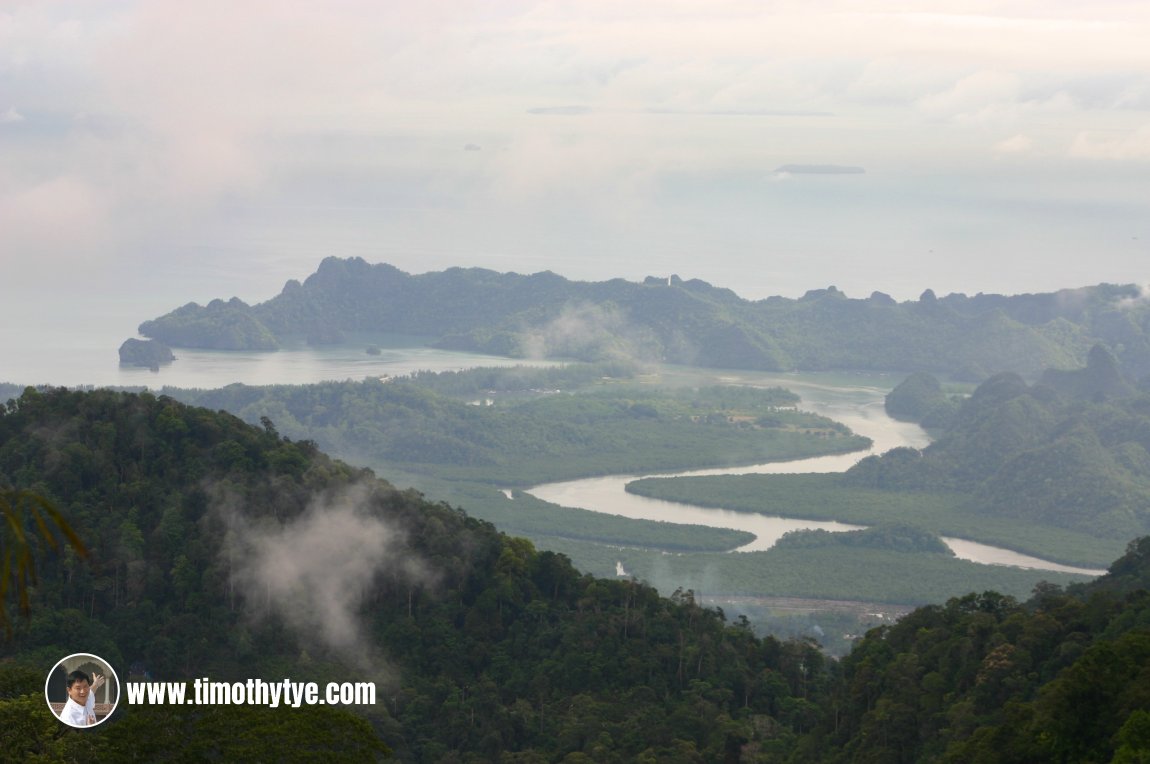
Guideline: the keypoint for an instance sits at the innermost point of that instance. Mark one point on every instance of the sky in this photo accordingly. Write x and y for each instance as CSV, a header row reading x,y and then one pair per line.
x,y
155,153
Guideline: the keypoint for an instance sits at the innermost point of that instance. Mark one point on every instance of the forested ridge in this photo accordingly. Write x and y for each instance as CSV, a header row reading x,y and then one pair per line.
x,y
1070,451
487,649
491,647
520,437
1059,468
678,321
1064,677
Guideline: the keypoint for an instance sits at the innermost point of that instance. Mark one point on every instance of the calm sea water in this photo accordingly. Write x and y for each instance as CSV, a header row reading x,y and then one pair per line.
x,y
72,337
88,355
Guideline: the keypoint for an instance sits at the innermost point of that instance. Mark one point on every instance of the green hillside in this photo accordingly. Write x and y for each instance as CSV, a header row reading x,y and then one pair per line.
x,y
678,321
531,434
225,550
1071,451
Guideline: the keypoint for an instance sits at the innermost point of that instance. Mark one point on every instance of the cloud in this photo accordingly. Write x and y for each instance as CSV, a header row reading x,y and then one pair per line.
x,y
11,116
975,97
243,131
561,111
999,98
819,169
1134,146
316,571
1016,144
576,331
741,112
1143,297
578,111
589,331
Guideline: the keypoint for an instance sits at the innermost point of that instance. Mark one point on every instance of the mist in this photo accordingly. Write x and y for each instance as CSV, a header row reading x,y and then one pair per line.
x,y
600,332
316,572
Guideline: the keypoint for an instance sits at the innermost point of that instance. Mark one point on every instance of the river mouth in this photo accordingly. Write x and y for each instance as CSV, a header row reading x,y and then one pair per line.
x,y
859,406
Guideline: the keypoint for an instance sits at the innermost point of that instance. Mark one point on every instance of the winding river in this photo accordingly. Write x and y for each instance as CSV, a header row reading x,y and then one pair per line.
x,y
857,404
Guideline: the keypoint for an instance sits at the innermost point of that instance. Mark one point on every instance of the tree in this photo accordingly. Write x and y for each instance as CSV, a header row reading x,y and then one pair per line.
x,y
23,515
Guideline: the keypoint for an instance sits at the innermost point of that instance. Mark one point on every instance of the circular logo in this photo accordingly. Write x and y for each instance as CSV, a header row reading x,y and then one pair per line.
x,y
82,690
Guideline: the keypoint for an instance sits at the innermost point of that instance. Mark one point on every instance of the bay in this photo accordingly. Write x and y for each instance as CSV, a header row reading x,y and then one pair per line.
x,y
88,355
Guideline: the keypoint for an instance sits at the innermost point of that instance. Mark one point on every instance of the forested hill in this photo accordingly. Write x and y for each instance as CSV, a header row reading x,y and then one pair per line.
x,y
687,322
1072,450
224,550
1064,677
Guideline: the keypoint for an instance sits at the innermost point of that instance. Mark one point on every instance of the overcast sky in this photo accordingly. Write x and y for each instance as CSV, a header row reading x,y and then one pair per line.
x,y
207,148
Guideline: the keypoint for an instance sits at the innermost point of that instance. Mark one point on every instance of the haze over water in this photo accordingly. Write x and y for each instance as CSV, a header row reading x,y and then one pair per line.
x,y
74,359
154,153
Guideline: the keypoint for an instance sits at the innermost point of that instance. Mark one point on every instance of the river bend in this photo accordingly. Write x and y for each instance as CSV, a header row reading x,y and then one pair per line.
x,y
859,406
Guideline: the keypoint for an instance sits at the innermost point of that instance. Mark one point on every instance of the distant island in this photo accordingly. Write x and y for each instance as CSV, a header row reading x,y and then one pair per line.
x,y
147,353
687,322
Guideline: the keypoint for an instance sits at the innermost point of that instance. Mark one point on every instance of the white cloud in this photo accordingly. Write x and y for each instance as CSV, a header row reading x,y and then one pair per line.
x,y
200,109
1016,144
1134,145
318,570
887,80
11,116
976,97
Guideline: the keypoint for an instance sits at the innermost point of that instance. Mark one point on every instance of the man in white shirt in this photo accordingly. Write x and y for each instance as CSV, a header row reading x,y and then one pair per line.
x,y
80,710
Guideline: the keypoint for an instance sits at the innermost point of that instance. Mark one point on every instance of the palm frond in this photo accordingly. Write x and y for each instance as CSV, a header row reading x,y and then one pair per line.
x,y
17,561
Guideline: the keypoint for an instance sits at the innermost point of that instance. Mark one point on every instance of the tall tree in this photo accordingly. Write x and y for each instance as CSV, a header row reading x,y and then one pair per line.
x,y
26,515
